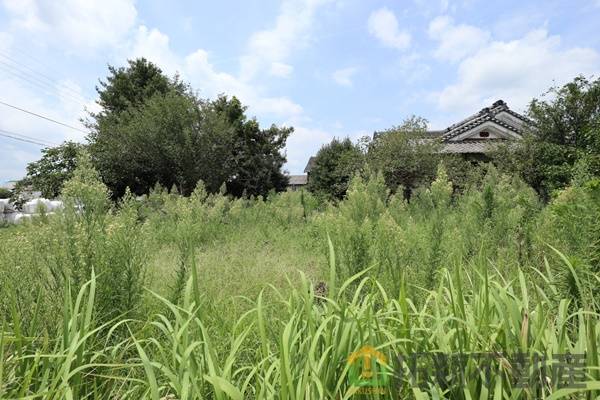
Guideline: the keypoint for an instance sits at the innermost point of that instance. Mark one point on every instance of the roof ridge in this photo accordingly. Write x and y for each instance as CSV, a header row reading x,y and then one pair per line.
x,y
495,108
483,115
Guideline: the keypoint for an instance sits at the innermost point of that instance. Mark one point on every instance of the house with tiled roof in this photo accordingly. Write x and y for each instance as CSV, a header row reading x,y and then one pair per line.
x,y
476,135
479,133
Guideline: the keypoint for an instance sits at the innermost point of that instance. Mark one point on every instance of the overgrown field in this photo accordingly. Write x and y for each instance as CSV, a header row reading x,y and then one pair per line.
x,y
206,296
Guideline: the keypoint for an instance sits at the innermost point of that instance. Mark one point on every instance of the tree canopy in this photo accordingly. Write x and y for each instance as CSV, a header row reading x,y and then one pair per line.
x,y
153,129
253,160
133,86
402,155
51,171
333,167
563,137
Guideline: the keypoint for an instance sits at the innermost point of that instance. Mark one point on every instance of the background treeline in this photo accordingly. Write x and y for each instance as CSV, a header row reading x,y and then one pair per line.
x,y
562,140
155,130
152,129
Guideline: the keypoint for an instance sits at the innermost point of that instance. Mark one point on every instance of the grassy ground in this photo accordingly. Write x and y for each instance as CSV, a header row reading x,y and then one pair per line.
x,y
242,262
210,297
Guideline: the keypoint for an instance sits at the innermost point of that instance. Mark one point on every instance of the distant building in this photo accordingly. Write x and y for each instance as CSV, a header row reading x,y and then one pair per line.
x,y
474,136
477,134
297,182
309,166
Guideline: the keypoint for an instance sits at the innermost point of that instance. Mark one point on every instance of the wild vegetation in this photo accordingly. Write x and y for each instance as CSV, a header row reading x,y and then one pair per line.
x,y
211,296
176,271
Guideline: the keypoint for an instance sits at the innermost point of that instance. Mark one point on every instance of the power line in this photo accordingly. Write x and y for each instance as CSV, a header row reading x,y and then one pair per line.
x,y
43,117
37,82
41,63
35,74
23,138
47,78
49,143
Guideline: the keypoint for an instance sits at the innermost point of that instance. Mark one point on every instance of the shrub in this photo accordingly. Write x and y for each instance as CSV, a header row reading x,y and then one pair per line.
x,y
5,193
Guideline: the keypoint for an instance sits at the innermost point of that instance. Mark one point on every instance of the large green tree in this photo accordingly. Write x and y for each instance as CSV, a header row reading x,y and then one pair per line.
x,y
404,155
153,129
131,86
51,171
253,165
116,154
158,142
563,137
333,167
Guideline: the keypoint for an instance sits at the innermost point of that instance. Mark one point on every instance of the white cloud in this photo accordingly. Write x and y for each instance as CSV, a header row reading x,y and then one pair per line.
x,y
154,46
93,27
281,70
292,30
515,71
61,99
204,76
303,143
15,155
456,41
383,25
343,77
83,24
198,70
412,68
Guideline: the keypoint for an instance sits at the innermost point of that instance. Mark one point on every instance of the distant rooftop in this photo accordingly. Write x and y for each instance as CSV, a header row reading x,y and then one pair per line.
x,y
310,164
298,180
476,134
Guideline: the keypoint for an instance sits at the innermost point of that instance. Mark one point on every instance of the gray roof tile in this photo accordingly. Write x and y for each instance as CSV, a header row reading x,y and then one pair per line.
x,y
470,146
298,180
484,115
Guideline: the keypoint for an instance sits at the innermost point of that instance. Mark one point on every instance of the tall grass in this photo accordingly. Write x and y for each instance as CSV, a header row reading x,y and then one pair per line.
x,y
211,297
302,351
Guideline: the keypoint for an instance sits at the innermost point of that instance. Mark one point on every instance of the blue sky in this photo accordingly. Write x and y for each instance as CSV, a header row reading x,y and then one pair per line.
x,y
329,68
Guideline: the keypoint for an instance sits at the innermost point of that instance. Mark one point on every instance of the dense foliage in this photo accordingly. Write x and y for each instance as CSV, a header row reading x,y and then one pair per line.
x,y
564,136
333,167
130,87
49,173
253,162
403,157
155,130
262,299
